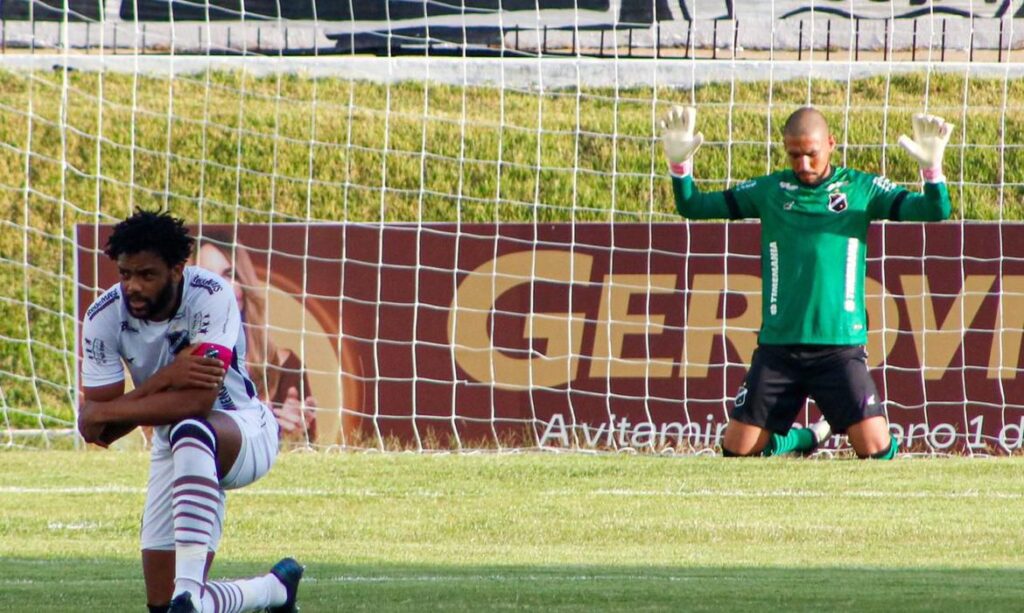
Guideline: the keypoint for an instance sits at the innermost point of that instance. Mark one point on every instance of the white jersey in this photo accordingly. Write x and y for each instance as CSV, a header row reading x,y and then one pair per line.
x,y
208,313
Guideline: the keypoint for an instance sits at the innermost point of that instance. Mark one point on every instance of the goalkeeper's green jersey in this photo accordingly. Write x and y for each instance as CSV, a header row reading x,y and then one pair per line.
x,y
813,245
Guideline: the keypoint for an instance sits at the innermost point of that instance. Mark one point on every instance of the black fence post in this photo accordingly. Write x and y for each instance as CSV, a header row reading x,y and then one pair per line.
x,y
657,39
913,44
800,43
714,41
856,39
828,40
970,52
689,38
885,43
735,36
942,58
1001,21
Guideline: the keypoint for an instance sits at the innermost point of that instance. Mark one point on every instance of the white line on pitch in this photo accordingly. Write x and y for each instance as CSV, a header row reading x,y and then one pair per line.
x,y
784,493
454,577
624,492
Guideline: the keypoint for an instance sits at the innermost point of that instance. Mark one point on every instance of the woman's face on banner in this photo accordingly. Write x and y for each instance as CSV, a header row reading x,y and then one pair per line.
x,y
216,261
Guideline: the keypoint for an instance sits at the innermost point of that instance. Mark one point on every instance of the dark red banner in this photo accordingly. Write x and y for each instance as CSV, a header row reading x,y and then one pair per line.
x,y
599,335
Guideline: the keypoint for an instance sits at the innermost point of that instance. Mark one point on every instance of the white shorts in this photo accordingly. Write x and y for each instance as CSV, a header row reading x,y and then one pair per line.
x,y
255,457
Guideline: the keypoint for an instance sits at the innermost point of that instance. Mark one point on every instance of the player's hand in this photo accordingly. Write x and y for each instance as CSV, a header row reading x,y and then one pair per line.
x,y
679,139
295,420
931,135
90,429
194,371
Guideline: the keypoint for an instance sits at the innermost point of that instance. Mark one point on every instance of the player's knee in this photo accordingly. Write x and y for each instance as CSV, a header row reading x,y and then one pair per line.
x,y
727,453
889,453
196,430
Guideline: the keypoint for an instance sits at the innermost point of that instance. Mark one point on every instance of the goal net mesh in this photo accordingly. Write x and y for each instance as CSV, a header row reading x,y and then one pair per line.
x,y
450,226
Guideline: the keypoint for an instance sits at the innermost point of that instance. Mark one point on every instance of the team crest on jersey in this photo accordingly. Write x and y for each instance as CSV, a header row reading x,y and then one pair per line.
x,y
837,202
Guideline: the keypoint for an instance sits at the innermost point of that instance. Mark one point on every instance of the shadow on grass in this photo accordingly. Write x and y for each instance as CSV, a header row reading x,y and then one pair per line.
x,y
116,585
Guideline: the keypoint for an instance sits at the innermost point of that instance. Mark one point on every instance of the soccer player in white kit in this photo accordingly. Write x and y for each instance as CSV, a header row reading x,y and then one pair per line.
x,y
178,330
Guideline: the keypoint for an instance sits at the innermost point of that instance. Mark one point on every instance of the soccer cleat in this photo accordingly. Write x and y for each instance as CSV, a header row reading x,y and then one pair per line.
x,y
821,431
182,603
289,573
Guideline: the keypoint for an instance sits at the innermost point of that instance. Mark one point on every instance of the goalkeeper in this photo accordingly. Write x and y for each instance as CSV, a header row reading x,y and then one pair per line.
x,y
814,225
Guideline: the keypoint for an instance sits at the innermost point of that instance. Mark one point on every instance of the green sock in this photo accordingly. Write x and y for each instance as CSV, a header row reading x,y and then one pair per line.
x,y
889,453
798,439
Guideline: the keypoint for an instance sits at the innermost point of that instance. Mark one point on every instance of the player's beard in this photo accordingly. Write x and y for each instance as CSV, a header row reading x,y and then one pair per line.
x,y
153,305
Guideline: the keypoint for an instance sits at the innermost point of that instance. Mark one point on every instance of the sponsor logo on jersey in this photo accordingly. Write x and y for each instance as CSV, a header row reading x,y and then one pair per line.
x,y
884,184
200,324
126,326
744,185
108,299
837,202
206,283
741,395
226,402
96,350
787,186
834,186
788,206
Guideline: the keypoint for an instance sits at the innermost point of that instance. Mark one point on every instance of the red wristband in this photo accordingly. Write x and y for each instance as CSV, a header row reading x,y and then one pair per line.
x,y
681,169
933,175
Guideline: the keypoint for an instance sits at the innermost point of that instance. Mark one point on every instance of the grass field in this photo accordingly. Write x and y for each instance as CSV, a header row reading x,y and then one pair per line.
x,y
544,532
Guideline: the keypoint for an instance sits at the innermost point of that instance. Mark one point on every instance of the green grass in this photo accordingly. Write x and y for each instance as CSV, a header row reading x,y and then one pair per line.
x,y
228,147
544,532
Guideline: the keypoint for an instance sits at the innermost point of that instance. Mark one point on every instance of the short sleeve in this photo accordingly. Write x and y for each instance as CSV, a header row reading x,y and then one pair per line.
x,y
215,319
101,351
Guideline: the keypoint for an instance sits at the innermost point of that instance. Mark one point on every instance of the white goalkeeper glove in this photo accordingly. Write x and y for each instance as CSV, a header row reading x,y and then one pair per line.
x,y
679,140
931,134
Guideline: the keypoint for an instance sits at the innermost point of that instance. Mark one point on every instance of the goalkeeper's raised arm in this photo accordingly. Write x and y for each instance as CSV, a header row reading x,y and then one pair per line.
x,y
810,168
814,227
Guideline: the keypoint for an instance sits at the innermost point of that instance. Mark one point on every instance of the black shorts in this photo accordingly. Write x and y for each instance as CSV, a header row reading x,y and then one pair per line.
x,y
781,377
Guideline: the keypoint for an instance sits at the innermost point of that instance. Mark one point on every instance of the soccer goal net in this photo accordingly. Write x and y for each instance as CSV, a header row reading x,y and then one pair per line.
x,y
449,226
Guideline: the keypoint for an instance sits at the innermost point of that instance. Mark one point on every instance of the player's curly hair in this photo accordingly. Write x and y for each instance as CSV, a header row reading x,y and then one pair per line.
x,y
160,233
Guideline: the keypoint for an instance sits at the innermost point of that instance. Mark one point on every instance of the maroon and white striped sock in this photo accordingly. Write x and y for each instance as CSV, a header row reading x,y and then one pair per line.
x,y
196,500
